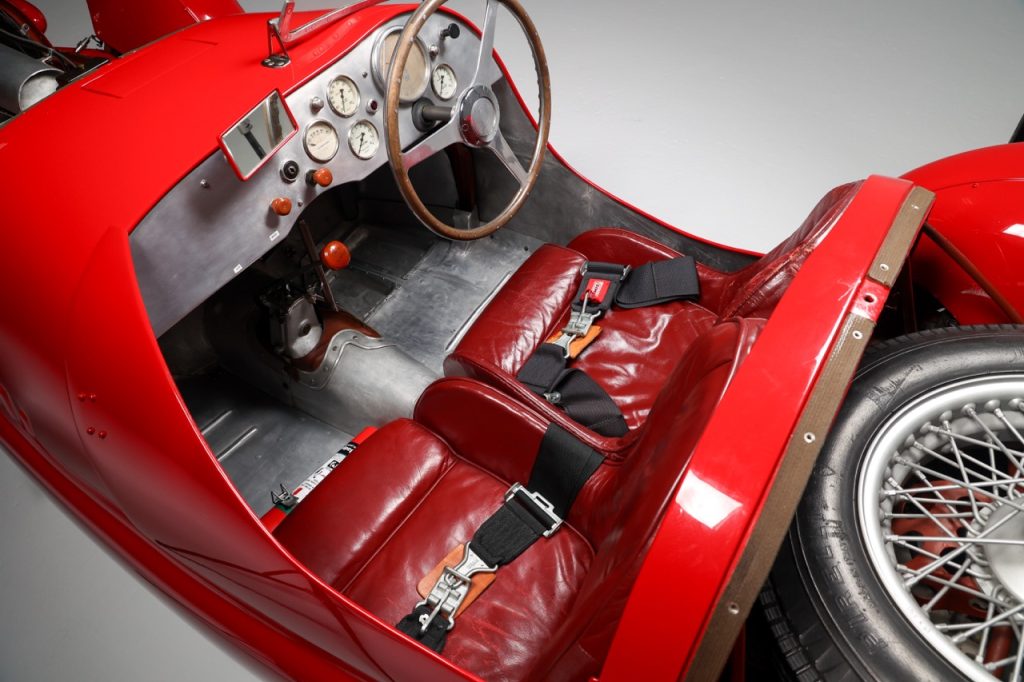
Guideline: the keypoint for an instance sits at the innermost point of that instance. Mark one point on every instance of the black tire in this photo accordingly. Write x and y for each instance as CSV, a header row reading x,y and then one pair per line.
x,y
830,615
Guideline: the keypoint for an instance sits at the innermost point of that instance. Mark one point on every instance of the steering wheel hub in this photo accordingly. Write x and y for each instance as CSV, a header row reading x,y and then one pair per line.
x,y
479,116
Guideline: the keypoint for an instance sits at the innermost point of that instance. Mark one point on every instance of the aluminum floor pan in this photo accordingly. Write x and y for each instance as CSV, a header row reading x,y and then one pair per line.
x,y
259,442
433,305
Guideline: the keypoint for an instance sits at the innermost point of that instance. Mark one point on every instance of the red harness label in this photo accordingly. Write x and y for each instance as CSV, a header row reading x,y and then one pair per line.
x,y
277,513
596,290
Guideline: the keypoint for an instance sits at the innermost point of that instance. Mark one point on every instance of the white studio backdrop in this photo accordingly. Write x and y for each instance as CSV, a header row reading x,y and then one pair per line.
x,y
728,119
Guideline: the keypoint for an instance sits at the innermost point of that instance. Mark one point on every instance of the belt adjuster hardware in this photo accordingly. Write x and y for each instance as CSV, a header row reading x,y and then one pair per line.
x,y
578,326
541,508
451,588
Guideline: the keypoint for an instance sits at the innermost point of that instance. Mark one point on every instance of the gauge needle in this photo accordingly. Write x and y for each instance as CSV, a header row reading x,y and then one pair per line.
x,y
361,137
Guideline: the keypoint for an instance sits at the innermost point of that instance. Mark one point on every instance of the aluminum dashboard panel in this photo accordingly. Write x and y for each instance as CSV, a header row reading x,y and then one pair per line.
x,y
212,225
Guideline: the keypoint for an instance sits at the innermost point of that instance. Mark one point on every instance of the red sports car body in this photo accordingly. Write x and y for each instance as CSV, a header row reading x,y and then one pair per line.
x,y
105,271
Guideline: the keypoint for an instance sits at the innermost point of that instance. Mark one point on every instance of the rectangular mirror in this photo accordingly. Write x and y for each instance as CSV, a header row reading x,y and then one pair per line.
x,y
254,139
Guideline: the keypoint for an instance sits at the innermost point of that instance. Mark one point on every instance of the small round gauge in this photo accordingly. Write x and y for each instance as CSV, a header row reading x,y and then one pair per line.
x,y
363,139
444,82
417,66
343,96
321,141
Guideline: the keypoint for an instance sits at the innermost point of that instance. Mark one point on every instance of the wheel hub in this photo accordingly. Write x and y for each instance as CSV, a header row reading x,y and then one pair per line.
x,y
1006,561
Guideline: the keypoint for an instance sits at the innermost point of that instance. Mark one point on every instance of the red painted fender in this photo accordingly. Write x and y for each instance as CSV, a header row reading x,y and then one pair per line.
x,y
979,206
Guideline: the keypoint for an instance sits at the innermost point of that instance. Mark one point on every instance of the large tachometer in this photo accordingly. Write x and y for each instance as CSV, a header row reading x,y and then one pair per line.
x,y
417,67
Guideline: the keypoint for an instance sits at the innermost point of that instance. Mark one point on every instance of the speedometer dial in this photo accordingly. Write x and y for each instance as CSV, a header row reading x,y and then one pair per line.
x,y
417,67
321,141
444,82
363,139
343,96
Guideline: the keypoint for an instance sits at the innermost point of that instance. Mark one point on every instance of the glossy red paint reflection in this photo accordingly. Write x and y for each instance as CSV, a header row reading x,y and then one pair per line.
x,y
979,206
734,463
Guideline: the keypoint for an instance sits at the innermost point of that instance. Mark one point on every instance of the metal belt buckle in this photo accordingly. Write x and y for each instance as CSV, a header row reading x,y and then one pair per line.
x,y
580,322
578,326
541,503
451,588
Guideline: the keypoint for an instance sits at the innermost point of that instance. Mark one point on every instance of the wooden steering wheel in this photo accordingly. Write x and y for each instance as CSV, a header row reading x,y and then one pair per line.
x,y
473,120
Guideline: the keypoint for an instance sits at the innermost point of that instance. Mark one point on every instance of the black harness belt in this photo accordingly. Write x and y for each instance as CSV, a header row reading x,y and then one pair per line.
x,y
546,372
528,513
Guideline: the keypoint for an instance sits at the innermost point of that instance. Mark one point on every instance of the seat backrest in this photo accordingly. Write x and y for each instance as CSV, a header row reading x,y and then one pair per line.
x,y
755,290
622,504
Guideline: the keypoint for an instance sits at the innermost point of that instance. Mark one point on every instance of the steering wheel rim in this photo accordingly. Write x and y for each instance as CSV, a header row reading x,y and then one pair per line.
x,y
465,125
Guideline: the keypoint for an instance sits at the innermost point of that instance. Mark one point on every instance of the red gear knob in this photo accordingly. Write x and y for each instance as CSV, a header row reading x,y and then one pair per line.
x,y
335,255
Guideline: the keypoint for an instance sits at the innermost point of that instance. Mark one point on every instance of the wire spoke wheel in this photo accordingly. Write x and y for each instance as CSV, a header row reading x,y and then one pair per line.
x,y
941,510
905,560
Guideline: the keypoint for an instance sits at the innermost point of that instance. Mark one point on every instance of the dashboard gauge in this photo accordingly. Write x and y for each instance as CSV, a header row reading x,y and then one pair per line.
x,y
343,96
321,141
417,67
363,139
443,81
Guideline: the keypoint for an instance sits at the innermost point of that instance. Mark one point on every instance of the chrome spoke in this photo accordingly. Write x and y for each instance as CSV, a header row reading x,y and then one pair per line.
x,y
946,588
963,469
989,623
486,71
508,158
1002,447
968,541
963,484
444,136
1015,675
932,555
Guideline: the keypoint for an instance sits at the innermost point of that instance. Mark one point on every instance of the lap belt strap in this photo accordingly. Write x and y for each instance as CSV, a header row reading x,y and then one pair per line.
x,y
586,403
562,467
546,372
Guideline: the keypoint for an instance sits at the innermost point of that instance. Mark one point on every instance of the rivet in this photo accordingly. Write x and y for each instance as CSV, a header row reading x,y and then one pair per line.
x,y
884,267
92,397
82,397
858,335
102,434
734,608
91,430
204,183
808,437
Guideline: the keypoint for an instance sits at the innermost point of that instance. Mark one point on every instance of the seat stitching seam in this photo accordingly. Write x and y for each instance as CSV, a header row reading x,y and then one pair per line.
x,y
401,524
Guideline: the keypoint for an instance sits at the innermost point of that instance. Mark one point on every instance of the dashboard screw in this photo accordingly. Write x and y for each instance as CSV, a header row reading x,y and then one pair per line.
x,y
204,183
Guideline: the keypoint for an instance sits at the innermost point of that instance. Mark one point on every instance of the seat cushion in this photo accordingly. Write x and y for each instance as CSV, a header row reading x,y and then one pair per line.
x,y
636,350
395,508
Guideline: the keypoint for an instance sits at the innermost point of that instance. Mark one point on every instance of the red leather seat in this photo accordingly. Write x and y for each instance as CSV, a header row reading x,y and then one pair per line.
x,y
637,348
416,489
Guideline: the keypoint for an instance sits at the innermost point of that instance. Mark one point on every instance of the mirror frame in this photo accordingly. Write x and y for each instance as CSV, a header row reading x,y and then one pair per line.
x,y
227,151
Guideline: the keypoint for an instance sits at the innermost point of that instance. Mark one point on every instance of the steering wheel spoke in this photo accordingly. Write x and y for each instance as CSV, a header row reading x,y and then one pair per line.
x,y
499,145
436,141
486,72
